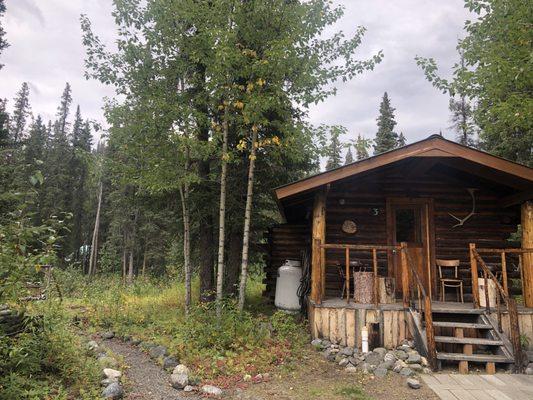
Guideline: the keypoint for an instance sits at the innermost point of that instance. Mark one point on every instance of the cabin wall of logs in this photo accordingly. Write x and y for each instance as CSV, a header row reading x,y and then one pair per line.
x,y
364,202
342,325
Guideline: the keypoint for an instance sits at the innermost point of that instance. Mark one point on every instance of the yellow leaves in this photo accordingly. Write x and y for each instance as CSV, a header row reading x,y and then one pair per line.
x,y
249,87
276,141
225,157
241,146
239,105
261,82
254,128
252,157
220,107
249,53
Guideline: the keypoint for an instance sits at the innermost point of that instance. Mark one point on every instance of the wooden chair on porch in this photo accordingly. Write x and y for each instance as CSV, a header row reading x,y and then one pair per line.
x,y
450,282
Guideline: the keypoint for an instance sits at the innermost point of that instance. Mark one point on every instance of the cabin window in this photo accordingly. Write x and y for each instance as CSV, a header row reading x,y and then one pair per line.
x,y
407,225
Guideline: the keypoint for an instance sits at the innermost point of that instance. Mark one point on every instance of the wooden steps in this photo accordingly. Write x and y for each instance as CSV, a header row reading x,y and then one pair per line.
x,y
468,340
466,336
464,325
495,358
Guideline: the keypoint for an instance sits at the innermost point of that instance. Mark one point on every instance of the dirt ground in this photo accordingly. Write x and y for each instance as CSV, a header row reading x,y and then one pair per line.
x,y
316,378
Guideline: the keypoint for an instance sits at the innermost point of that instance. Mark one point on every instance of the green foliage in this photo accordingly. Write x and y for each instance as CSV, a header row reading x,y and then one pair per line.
x,y
362,146
496,75
353,393
47,360
386,138
334,150
3,42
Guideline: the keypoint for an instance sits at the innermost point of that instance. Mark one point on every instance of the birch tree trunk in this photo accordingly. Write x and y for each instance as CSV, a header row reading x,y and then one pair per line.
x,y
184,195
93,258
222,213
124,262
130,267
247,219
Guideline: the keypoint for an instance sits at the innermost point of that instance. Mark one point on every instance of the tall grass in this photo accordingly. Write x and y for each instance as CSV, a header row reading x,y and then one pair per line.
x,y
153,310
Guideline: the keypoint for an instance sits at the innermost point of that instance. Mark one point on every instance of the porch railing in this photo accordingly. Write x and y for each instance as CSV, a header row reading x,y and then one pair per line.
x,y
360,247
514,327
411,278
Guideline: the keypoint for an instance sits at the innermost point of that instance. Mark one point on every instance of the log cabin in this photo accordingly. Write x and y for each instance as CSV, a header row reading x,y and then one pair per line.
x,y
402,242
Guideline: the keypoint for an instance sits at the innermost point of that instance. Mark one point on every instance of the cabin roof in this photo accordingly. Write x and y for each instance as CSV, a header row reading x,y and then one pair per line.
x,y
433,146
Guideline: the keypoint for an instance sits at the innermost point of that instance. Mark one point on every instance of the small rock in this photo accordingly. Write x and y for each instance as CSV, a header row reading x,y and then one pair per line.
x,y
413,383
113,391
406,372
135,342
529,369
326,343
350,368
404,347
181,369
380,350
344,362
189,388
424,361
353,360
398,365
107,381
374,358
247,378
169,362
212,390
426,371
92,345
112,373
388,365
317,344
347,351
258,378
416,367
365,367
400,354
414,358
179,381
389,357
107,362
339,357
380,372
108,335
158,351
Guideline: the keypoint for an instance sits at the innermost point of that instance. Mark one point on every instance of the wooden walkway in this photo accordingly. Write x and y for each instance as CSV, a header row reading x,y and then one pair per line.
x,y
481,387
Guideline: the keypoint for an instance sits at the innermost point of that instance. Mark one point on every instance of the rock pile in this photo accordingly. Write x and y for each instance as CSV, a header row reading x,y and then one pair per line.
x,y
403,360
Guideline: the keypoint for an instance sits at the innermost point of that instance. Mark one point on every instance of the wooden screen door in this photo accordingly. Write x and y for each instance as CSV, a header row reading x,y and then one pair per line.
x,y
411,221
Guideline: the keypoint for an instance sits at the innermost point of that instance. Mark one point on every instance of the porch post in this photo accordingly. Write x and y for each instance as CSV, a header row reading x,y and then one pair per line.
x,y
318,238
527,258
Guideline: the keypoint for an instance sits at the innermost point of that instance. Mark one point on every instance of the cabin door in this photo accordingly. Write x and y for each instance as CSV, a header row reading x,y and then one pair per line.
x,y
410,221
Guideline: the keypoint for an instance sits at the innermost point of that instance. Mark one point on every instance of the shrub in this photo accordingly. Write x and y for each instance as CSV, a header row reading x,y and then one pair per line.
x,y
46,360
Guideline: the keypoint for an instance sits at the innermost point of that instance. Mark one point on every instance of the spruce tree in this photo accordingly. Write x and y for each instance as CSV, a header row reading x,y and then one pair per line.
x,y
335,149
361,146
401,140
3,42
4,125
349,156
21,113
79,166
386,138
63,110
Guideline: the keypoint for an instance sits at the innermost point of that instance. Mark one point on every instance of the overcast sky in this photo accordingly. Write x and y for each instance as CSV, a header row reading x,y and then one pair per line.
x,y
46,51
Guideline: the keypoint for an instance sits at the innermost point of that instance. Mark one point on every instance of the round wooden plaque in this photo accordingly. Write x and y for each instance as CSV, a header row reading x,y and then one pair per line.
x,y
349,227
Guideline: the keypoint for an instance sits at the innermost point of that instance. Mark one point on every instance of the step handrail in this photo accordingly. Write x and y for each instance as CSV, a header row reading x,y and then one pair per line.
x,y
407,271
511,308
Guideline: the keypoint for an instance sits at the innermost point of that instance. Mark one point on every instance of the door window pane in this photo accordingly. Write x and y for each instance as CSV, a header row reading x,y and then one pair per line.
x,y
407,226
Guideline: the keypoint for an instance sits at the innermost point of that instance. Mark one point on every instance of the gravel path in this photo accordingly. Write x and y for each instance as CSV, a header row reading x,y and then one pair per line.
x,y
145,380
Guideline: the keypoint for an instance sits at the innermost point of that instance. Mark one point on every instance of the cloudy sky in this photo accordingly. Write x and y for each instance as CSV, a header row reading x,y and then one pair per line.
x,y
46,51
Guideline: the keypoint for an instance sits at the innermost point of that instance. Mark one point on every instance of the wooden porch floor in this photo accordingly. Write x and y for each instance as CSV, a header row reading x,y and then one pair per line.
x,y
437,306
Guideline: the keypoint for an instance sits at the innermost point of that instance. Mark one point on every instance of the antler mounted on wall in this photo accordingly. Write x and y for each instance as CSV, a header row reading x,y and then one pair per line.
x,y
461,221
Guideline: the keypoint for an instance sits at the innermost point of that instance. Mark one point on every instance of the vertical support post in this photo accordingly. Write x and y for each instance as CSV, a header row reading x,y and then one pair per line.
x,y
473,270
485,283
405,274
515,335
520,267
430,333
375,267
317,254
527,258
467,349
504,274
347,275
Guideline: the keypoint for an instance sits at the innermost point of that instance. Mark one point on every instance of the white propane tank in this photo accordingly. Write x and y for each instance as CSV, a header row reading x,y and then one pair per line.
x,y
287,283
